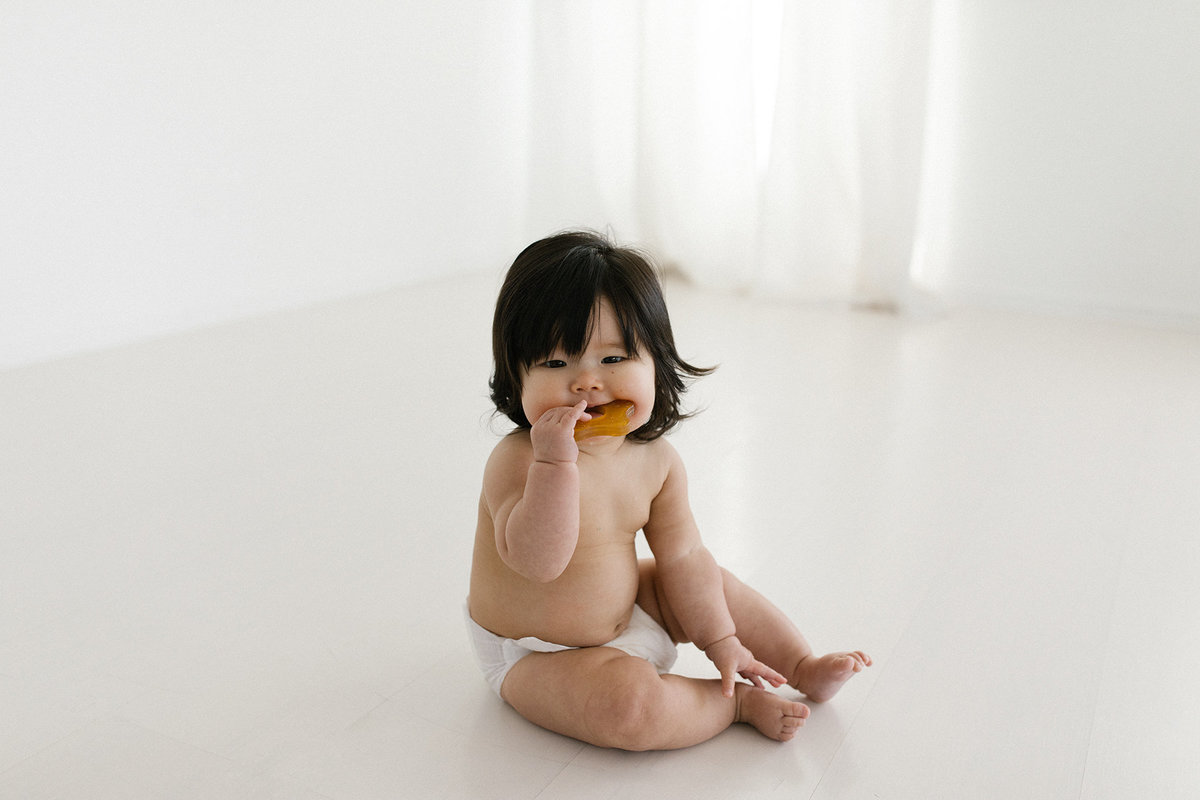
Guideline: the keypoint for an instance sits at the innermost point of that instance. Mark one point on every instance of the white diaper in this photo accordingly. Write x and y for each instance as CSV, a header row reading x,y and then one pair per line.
x,y
644,638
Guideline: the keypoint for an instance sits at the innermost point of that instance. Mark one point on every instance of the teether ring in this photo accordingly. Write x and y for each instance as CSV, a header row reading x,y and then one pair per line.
x,y
613,420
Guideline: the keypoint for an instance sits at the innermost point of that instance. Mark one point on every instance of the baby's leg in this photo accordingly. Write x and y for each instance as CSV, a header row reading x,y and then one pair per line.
x,y
767,632
778,643
607,698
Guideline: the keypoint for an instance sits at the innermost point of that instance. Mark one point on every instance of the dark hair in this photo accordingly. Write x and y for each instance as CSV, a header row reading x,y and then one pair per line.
x,y
548,301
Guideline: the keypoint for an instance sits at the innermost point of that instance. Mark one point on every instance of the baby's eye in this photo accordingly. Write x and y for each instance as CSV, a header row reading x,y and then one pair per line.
x,y
554,363
612,359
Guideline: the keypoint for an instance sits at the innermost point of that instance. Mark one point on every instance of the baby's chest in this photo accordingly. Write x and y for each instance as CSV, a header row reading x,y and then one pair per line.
x,y
611,518
615,507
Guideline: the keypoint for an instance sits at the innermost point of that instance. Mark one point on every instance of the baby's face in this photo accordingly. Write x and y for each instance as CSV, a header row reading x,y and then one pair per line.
x,y
603,372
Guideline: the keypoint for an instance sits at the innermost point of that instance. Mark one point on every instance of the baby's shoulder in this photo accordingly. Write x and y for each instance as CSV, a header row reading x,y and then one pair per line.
x,y
657,456
515,447
659,449
506,468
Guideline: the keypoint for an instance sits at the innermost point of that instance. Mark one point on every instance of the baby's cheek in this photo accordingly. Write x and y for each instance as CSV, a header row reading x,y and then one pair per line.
x,y
642,414
533,411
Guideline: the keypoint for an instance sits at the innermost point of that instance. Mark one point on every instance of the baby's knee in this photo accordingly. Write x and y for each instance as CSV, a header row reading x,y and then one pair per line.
x,y
623,710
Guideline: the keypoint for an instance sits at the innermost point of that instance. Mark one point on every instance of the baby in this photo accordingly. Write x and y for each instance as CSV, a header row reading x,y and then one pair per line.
x,y
570,628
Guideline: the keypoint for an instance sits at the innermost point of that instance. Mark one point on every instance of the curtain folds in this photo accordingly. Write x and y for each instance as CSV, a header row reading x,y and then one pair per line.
x,y
771,146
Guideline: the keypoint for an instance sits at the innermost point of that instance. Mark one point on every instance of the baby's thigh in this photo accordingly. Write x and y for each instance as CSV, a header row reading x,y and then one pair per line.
x,y
593,694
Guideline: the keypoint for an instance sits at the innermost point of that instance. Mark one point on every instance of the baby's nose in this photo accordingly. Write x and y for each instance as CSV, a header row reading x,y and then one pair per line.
x,y
586,380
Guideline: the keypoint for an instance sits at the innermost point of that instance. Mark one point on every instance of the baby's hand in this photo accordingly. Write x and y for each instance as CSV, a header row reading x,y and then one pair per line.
x,y
732,659
553,435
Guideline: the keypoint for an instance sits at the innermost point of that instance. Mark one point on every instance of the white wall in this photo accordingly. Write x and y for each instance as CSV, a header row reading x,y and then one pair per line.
x,y
1069,156
166,165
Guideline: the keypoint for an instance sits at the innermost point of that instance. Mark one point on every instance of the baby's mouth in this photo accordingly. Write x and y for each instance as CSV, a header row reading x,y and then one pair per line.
x,y
603,408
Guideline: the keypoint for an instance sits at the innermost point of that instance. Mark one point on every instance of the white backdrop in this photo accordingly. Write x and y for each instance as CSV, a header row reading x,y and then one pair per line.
x,y
163,167
1037,155
1071,142
167,165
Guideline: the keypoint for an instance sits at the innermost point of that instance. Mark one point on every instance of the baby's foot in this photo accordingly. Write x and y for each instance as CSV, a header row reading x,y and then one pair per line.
x,y
773,716
820,678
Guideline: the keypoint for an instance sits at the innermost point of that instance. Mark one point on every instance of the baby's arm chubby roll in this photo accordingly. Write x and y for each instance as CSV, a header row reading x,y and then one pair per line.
x,y
694,585
531,487
689,574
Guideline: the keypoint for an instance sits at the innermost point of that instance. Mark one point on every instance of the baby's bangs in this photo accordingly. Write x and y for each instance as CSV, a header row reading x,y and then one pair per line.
x,y
572,329
573,321
567,306
555,320
629,318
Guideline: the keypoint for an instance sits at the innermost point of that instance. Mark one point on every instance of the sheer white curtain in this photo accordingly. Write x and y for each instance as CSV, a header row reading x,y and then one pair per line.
x,y
841,192
773,146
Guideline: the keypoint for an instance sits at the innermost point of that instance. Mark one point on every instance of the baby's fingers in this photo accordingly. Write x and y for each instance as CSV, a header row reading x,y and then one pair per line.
x,y
552,434
761,671
728,679
754,679
566,416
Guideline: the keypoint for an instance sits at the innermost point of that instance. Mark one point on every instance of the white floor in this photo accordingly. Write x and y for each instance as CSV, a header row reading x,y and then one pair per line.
x,y
232,562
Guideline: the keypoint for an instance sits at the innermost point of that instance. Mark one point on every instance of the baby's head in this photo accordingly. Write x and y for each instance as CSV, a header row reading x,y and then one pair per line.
x,y
548,301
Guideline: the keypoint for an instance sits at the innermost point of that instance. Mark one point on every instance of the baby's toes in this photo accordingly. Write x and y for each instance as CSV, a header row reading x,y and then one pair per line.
x,y
797,712
844,666
852,662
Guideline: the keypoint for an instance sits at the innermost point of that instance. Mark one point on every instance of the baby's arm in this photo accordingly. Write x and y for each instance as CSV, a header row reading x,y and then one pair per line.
x,y
534,497
693,584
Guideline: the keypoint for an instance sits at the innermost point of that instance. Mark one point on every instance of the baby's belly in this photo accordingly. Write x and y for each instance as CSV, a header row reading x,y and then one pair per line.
x,y
587,605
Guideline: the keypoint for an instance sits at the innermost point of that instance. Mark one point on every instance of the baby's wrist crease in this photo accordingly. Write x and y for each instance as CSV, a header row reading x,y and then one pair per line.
x,y
716,641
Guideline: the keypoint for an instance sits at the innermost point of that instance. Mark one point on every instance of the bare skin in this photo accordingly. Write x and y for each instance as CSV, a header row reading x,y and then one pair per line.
x,y
555,558
822,677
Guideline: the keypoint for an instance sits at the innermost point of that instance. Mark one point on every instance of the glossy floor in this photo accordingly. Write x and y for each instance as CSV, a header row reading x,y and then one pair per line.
x,y
233,561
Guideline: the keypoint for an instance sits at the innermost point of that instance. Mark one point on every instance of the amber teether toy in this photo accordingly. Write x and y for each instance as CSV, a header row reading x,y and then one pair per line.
x,y
612,420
